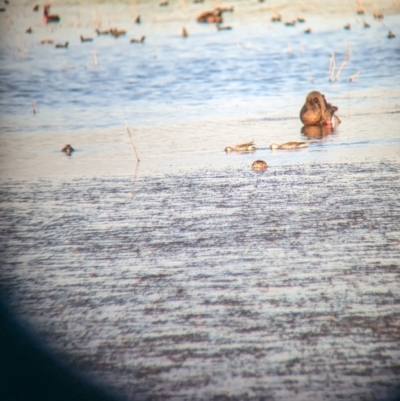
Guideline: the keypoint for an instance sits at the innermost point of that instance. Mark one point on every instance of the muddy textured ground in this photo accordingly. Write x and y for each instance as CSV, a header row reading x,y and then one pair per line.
x,y
209,284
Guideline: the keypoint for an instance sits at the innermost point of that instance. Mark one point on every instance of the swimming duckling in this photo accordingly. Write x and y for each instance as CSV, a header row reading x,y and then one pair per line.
x,y
276,18
259,165
36,7
184,32
289,145
243,147
67,149
62,45
347,27
391,35
46,42
141,40
290,23
29,30
86,39
301,20
366,25
308,30
360,11
49,17
317,111
164,4
138,20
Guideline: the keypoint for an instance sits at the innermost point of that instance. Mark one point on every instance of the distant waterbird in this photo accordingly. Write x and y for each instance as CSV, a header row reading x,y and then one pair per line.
x,y
243,147
289,145
68,149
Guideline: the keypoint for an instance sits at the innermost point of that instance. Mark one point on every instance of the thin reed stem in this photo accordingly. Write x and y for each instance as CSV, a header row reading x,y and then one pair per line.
x,y
133,145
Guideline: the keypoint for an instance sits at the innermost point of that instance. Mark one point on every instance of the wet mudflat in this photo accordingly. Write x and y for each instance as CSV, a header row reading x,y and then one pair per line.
x,y
215,283
188,276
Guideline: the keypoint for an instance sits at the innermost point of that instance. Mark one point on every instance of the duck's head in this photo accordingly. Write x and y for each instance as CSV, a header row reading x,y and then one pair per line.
x,y
259,165
274,146
228,149
316,111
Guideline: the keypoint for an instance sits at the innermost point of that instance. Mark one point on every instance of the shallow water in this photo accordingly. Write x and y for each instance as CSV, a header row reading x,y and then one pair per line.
x,y
187,275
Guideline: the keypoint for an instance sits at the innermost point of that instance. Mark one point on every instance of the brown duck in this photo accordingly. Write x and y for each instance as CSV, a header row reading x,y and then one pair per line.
x,y
213,16
317,111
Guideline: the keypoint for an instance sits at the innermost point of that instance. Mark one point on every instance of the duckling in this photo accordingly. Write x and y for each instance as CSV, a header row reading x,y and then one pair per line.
x,y
2,10
347,26
49,17
301,20
378,15
46,42
223,27
141,40
366,25
308,30
62,45
276,18
360,11
67,149
243,147
317,111
391,35
36,7
184,32
86,39
198,1
289,145
290,23
259,165
29,30
164,4
138,20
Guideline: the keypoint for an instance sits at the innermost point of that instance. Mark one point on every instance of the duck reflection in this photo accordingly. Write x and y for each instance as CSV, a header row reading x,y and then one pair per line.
x,y
317,131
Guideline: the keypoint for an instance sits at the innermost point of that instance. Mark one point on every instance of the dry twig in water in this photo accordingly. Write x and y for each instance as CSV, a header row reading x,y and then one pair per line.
x,y
332,67
346,59
354,76
133,145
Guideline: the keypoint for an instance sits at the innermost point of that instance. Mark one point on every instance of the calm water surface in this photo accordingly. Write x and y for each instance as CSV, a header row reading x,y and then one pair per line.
x,y
187,275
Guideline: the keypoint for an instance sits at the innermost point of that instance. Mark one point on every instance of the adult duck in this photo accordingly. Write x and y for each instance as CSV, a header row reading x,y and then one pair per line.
x,y
61,45
140,40
243,147
83,39
317,111
48,18
213,16
289,145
